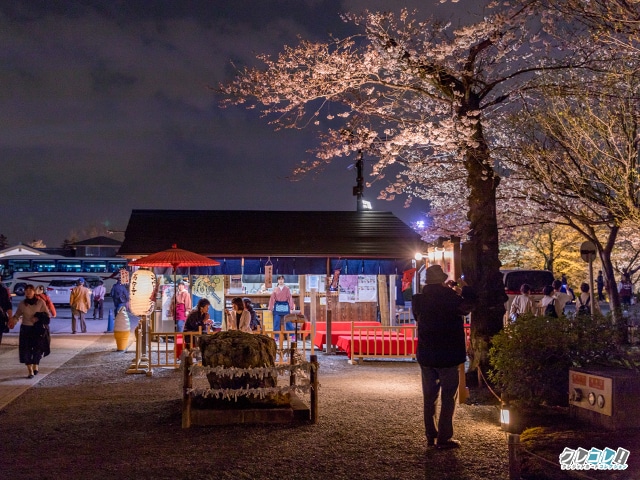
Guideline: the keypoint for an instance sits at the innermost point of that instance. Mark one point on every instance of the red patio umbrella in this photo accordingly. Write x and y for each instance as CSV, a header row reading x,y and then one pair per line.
x,y
175,257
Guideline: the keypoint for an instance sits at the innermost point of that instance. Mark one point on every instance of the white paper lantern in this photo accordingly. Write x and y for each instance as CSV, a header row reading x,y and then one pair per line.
x,y
142,290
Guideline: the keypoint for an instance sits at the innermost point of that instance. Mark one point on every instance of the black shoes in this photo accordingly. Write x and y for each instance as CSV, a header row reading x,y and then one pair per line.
x,y
448,444
35,372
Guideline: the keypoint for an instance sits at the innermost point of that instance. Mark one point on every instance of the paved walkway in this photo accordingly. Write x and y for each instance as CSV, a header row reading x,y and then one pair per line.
x,y
64,346
13,374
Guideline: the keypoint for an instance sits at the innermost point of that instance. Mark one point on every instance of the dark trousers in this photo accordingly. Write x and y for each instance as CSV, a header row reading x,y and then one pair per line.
x,y
98,308
441,382
29,346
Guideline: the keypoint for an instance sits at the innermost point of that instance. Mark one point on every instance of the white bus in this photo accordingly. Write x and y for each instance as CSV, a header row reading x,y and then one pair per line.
x,y
19,270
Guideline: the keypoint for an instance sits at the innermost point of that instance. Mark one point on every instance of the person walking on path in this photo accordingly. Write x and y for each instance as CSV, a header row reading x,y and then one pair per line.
x,y
600,285
120,295
6,310
80,301
34,333
42,295
98,299
439,312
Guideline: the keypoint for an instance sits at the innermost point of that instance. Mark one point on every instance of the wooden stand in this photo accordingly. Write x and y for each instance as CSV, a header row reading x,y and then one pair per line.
x,y
295,412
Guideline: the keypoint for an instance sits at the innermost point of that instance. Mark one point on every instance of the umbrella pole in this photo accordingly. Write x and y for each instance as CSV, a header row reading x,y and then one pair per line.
x,y
175,300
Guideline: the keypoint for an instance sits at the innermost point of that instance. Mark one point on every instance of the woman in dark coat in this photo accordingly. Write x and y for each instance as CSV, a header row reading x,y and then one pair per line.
x,y
198,318
34,331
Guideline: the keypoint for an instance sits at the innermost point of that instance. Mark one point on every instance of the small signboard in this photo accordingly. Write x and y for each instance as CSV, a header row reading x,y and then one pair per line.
x,y
588,251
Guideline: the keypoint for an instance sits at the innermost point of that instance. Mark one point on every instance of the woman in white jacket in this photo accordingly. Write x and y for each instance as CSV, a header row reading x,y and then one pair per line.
x,y
239,318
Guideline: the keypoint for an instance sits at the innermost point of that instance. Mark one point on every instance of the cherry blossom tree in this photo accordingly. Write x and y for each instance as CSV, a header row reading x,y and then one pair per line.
x,y
426,100
544,246
625,255
577,158
615,21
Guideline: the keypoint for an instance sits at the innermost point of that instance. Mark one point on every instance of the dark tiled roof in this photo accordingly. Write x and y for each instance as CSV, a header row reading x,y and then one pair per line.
x,y
97,242
239,233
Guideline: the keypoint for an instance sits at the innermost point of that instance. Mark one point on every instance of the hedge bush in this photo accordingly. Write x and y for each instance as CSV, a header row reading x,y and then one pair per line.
x,y
531,357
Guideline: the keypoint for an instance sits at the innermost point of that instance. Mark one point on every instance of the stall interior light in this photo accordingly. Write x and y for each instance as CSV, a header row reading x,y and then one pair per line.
x,y
419,256
366,204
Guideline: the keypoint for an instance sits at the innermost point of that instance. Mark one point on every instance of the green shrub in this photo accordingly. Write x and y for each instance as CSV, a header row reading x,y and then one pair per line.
x,y
530,358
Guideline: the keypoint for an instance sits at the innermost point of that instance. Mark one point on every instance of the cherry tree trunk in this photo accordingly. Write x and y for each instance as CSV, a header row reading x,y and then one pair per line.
x,y
615,306
480,262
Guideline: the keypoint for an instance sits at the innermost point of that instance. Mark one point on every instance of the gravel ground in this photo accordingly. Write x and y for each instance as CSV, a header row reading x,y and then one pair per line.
x,y
90,420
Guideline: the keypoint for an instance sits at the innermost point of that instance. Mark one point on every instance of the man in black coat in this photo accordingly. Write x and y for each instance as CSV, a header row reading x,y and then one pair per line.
x,y
439,312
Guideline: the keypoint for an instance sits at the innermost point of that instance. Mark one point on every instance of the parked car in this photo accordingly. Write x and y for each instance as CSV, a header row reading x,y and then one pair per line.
x,y
60,290
90,282
537,279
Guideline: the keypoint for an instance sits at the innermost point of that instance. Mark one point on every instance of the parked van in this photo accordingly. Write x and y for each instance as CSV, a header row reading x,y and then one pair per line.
x,y
513,280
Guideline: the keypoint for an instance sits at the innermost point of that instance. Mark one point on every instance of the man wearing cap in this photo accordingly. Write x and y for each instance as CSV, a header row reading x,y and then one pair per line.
x,y
439,312
80,301
119,295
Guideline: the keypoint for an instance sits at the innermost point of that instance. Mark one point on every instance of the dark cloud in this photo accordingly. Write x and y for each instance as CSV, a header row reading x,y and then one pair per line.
x,y
106,107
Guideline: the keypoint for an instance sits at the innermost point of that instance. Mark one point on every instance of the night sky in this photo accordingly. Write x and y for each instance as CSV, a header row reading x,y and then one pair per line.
x,y
105,108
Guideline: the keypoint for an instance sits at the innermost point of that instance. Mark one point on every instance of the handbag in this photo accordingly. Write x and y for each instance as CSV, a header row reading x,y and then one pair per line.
x,y
45,341
550,310
281,308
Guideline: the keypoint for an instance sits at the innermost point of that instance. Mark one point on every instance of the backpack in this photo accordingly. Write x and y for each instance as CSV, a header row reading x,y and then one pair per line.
x,y
550,310
584,309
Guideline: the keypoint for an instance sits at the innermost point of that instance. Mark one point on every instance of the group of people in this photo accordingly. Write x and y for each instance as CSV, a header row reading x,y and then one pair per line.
x,y
82,297
556,298
625,288
553,302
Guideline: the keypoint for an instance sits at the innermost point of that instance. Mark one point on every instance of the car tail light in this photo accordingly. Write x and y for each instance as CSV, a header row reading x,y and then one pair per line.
x,y
50,289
